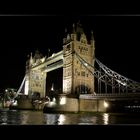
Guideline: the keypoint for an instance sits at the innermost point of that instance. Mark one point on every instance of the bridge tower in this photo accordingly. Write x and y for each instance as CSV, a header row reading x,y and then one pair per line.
x,y
35,81
76,78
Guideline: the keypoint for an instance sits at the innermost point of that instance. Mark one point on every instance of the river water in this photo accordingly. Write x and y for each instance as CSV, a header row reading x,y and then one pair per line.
x,y
26,117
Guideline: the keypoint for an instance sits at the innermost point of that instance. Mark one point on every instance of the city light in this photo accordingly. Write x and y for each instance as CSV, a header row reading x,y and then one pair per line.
x,y
52,88
62,100
51,104
6,90
54,100
85,64
61,119
106,104
43,59
15,103
123,83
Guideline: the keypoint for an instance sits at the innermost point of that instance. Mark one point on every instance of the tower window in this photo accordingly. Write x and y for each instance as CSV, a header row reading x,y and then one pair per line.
x,y
83,73
68,47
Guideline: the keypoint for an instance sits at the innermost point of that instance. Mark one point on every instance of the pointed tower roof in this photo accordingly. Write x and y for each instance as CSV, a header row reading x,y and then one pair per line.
x,y
73,30
79,28
65,33
31,58
92,37
37,55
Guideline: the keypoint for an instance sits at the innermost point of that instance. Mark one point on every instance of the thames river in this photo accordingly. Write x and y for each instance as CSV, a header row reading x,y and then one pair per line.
x,y
20,117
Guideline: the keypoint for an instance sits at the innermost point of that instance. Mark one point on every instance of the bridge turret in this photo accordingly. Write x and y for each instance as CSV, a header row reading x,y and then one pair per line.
x,y
65,36
73,35
70,36
92,41
73,31
31,61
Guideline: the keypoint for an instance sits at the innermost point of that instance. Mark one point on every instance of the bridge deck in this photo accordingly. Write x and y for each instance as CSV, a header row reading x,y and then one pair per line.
x,y
50,60
129,96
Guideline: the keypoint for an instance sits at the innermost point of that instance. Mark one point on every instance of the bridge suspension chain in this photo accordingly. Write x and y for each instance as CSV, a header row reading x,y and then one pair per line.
x,y
102,77
130,84
109,77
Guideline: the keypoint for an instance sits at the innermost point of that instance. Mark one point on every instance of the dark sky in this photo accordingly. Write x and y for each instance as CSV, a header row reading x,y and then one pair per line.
x,y
117,42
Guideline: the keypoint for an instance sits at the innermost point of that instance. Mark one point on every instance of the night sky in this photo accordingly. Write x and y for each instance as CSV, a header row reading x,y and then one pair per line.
x,y
117,42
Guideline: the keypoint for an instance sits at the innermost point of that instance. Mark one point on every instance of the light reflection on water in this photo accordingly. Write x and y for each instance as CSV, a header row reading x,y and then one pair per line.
x,y
106,118
18,117
61,119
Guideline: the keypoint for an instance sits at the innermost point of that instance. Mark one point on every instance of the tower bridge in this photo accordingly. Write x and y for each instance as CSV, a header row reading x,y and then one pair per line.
x,y
84,76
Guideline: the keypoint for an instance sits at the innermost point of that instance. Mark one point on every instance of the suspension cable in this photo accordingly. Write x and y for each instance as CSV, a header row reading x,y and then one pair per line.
x,y
21,86
122,82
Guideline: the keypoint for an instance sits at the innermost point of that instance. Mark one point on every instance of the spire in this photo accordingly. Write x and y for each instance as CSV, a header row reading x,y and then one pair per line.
x,y
92,41
28,59
92,37
31,59
65,36
65,30
37,55
79,28
31,55
73,31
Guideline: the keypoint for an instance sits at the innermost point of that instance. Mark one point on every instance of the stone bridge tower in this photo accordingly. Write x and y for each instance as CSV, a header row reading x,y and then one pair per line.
x,y
35,82
76,78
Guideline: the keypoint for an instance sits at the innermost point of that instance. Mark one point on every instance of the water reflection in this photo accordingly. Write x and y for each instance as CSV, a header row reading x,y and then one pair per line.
x,y
61,119
24,118
55,119
4,118
105,118
88,120
18,117
70,119
77,119
31,117
51,119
